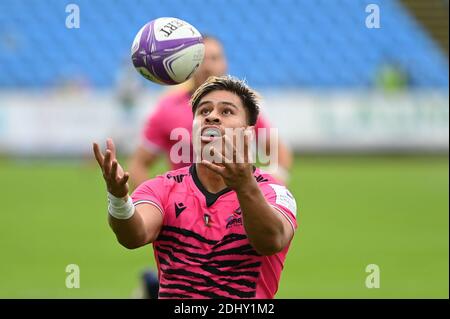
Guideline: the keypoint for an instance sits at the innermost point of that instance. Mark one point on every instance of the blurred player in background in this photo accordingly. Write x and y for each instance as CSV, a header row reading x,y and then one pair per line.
x,y
174,111
224,219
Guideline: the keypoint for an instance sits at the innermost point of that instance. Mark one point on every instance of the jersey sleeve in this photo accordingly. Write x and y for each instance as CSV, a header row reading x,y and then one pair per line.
x,y
151,192
280,198
154,135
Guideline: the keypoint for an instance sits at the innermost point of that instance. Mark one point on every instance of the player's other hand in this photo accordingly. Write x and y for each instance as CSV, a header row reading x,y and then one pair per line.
x,y
115,178
236,171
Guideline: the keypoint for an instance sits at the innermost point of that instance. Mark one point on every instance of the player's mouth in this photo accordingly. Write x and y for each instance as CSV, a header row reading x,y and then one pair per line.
x,y
210,133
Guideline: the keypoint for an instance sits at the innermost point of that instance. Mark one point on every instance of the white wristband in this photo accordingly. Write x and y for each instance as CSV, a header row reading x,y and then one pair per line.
x,y
120,208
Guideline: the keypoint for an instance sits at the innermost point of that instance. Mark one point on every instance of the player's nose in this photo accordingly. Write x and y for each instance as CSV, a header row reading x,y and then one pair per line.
x,y
212,119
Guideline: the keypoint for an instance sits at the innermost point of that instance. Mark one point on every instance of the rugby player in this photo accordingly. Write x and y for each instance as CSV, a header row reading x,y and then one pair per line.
x,y
220,228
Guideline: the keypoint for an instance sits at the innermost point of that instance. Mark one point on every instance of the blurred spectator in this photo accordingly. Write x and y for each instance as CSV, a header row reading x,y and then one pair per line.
x,y
127,91
128,86
391,77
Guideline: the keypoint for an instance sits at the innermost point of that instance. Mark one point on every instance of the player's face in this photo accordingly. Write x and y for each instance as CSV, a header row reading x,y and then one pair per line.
x,y
214,63
216,112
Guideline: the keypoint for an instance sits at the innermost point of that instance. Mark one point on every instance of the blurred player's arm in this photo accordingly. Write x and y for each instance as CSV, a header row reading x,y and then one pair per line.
x,y
139,165
279,170
134,226
154,137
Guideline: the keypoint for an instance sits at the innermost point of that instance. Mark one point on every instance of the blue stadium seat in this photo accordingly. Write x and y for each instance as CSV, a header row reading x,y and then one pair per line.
x,y
294,43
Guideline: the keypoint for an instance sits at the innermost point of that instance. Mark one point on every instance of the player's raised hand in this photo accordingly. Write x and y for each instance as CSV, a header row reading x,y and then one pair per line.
x,y
237,171
115,177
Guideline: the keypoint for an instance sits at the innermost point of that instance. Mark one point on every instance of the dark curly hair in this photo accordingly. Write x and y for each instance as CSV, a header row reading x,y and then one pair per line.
x,y
249,97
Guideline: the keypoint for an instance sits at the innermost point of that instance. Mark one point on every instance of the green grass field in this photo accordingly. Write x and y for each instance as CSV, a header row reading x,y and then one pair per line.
x,y
353,211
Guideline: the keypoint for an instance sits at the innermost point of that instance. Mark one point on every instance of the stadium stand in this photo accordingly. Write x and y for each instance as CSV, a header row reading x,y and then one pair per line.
x,y
282,43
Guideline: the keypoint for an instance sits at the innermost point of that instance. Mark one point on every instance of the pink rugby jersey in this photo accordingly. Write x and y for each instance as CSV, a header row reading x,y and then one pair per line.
x,y
202,250
174,111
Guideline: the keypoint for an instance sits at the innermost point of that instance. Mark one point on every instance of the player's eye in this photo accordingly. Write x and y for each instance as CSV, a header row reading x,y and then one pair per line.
x,y
227,112
204,111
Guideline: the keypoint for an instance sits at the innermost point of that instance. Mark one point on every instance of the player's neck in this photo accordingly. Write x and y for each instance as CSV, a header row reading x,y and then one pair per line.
x,y
211,181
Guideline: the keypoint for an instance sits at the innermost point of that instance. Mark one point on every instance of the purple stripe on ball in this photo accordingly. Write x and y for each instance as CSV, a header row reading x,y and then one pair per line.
x,y
164,53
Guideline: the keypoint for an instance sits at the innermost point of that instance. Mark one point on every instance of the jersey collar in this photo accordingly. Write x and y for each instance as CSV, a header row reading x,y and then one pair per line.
x,y
211,198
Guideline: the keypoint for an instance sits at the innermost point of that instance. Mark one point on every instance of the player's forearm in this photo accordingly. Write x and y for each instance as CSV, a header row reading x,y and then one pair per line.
x,y
131,233
139,166
263,227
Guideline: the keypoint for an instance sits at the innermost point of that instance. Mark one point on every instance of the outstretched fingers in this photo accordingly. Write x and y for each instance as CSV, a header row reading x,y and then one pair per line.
x,y
247,149
218,156
124,179
98,155
107,163
110,146
229,151
113,173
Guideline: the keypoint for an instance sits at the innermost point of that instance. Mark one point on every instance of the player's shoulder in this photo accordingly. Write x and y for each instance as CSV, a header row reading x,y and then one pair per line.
x,y
262,177
267,182
272,188
170,177
177,176
164,184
